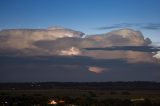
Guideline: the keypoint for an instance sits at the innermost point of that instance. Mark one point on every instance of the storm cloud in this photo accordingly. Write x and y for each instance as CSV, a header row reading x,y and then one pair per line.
x,y
124,43
62,54
123,37
23,38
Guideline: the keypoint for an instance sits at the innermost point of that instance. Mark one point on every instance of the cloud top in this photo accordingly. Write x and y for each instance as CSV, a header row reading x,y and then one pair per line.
x,y
23,38
121,37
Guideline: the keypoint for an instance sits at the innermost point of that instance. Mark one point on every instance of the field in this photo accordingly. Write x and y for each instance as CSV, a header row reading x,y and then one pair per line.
x,y
79,94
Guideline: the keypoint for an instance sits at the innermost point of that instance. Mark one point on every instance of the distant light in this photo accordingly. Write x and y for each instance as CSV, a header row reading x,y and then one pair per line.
x,y
140,99
61,101
53,102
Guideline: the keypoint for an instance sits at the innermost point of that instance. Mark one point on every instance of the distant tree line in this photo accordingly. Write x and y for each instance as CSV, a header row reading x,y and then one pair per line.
x,y
140,85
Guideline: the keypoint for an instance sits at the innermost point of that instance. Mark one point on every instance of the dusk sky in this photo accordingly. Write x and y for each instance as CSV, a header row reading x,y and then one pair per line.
x,y
79,40
83,15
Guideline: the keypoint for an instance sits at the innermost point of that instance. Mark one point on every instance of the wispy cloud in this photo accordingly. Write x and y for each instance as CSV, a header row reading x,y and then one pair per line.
x,y
147,26
151,26
121,25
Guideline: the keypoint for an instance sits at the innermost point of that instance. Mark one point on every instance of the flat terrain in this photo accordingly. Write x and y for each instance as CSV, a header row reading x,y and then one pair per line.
x,y
83,91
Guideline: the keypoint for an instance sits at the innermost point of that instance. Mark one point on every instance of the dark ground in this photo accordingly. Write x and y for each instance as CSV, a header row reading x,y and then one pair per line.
x,y
80,94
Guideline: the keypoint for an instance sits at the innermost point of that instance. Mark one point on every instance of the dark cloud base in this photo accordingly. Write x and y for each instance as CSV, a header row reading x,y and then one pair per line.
x,y
129,48
70,69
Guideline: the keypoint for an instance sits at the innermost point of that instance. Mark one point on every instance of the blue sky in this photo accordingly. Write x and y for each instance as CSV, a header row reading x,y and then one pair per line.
x,y
84,15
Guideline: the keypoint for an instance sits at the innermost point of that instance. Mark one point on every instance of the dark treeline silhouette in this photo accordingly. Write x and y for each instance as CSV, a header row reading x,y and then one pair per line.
x,y
137,85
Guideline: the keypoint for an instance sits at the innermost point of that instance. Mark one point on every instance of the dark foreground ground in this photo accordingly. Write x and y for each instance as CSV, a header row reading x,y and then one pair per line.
x,y
80,94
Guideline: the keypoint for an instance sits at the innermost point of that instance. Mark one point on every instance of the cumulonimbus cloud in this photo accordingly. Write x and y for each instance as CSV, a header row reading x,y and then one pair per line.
x,y
23,38
60,53
63,41
121,37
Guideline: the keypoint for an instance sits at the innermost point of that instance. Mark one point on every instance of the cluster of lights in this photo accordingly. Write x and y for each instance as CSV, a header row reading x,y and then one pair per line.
x,y
55,102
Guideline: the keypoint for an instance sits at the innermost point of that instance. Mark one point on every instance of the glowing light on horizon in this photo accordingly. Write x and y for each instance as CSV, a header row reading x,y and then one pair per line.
x,y
53,102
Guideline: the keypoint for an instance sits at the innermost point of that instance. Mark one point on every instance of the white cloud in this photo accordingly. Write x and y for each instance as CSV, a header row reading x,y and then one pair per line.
x,y
122,37
69,52
97,70
157,55
24,38
63,41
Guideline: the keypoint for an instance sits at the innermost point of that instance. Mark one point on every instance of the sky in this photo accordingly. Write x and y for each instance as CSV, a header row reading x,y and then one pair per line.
x,y
83,15
95,41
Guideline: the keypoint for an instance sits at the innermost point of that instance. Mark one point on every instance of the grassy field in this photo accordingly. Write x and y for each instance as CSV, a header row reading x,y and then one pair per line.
x,y
81,96
98,94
